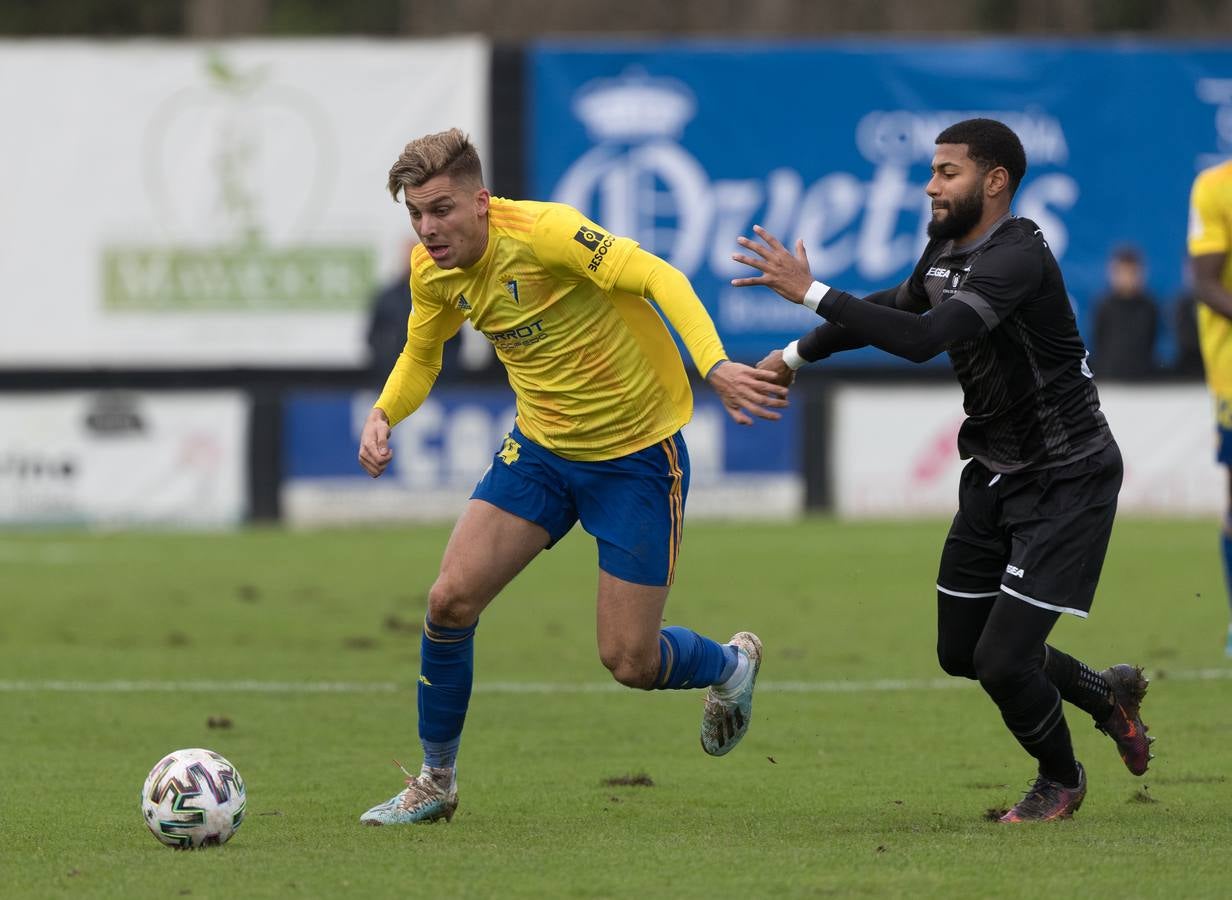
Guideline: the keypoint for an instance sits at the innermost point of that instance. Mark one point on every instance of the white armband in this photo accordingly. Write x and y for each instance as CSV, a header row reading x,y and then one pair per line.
x,y
817,290
792,357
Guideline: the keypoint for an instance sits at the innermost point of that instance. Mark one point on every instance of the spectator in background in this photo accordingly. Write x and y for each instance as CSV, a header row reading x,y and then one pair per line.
x,y
1210,257
1126,321
387,316
1188,361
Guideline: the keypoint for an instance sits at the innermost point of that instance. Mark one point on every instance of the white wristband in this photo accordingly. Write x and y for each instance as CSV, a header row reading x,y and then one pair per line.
x,y
817,290
791,356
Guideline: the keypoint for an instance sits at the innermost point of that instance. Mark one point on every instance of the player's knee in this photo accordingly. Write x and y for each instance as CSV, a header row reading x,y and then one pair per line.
x,y
449,605
999,673
956,661
630,669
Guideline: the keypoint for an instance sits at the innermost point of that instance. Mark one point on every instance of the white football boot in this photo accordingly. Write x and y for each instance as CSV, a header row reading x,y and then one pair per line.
x,y
429,796
729,708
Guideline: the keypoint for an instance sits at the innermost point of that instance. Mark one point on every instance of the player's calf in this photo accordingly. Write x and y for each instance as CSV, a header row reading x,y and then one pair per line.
x,y
632,670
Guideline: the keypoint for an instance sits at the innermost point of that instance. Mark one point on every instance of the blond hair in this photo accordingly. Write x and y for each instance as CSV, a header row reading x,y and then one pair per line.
x,y
444,153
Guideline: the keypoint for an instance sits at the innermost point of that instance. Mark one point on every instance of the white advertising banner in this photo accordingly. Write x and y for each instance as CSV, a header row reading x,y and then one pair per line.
x,y
895,450
192,204
123,458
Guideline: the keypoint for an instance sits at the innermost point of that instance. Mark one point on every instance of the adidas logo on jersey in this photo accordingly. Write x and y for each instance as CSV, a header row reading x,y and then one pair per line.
x,y
462,304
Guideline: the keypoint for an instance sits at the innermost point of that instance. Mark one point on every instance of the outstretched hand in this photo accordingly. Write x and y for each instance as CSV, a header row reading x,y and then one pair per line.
x,y
747,392
786,274
374,452
774,364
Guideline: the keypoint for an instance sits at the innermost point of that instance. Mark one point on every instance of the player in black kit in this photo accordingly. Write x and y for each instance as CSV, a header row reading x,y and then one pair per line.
x,y
1037,498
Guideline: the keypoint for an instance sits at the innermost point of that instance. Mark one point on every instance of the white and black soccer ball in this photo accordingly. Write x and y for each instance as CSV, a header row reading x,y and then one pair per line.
x,y
193,798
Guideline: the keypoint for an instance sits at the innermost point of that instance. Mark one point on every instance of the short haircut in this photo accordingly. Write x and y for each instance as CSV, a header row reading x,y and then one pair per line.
x,y
444,153
1127,253
990,143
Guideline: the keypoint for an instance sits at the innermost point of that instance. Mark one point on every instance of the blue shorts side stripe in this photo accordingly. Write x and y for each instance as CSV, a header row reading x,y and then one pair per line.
x,y
1223,428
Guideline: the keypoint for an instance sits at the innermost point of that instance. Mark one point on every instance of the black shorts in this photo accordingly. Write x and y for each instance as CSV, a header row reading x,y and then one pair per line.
x,y
1039,536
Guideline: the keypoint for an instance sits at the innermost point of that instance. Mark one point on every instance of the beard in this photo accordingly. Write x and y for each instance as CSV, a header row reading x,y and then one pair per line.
x,y
962,215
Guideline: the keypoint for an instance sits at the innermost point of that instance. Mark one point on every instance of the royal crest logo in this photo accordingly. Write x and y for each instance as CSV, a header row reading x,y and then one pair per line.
x,y
590,238
637,124
512,286
509,451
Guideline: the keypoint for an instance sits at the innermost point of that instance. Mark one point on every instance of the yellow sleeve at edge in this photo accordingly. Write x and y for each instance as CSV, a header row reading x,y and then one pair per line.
x,y
1208,213
408,383
429,326
648,276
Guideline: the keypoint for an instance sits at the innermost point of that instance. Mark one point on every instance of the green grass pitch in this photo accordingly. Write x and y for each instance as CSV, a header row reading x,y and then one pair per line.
x,y
865,773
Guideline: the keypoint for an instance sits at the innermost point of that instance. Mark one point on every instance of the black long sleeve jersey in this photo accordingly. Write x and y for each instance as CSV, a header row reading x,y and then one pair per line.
x,y
1000,308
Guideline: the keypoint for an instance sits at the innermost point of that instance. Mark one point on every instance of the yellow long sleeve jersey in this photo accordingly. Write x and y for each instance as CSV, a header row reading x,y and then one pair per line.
x,y
594,370
1210,231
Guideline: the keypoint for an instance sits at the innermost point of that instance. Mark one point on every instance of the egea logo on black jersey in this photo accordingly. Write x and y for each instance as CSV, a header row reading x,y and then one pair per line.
x,y
953,276
594,239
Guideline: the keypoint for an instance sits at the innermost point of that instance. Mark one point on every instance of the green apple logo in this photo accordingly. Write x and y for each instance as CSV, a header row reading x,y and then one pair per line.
x,y
236,169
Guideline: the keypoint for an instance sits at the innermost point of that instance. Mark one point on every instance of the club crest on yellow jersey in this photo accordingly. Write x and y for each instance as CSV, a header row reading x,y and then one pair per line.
x,y
509,451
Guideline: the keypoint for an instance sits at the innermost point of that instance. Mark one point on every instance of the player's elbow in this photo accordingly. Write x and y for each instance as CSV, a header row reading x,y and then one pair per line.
x,y
922,351
1207,290
931,351
664,280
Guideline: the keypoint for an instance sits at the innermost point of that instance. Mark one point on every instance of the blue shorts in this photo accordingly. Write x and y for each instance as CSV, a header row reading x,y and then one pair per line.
x,y
632,505
1223,425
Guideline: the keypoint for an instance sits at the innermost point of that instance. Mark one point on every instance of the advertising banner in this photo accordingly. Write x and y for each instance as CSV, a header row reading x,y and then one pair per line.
x,y
684,146
442,450
124,458
895,455
185,204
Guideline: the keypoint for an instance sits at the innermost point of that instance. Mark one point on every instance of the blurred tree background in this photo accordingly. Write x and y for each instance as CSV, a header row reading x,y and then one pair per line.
x,y
522,19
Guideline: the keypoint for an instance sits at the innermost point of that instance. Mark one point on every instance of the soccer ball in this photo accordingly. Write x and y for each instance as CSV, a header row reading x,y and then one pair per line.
x,y
193,798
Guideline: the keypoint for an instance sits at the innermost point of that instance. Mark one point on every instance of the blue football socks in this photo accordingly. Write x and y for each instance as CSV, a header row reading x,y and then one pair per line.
x,y
446,672
688,660
1226,545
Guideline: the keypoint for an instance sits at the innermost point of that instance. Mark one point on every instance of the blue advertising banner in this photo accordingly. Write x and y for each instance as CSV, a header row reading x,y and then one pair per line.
x,y
684,146
442,450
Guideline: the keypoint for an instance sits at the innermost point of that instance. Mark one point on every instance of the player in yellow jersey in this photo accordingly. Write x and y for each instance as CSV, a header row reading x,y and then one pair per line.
x,y
1210,252
601,397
